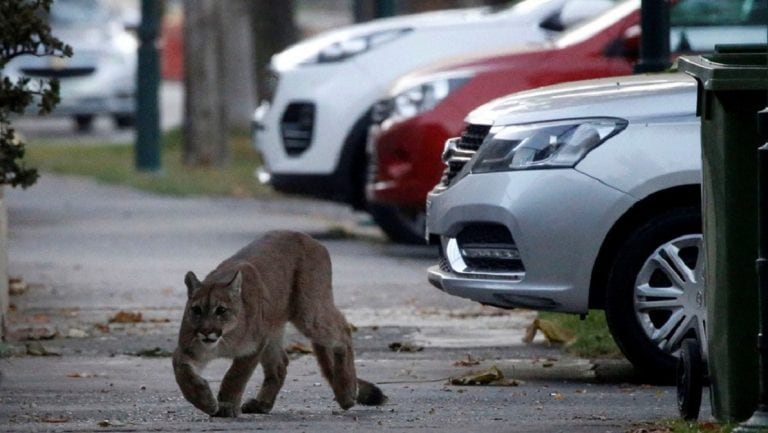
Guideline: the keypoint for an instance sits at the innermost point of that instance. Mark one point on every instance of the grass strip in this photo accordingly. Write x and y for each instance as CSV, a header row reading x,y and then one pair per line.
x,y
114,164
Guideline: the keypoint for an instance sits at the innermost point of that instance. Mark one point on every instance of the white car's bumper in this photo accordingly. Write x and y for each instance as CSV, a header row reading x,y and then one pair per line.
x,y
309,142
530,212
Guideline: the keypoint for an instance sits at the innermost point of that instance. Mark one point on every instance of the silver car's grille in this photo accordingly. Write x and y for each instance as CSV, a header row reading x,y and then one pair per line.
x,y
459,151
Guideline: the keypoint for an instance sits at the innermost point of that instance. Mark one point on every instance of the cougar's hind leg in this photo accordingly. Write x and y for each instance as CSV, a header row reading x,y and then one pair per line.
x,y
316,316
332,344
274,362
233,385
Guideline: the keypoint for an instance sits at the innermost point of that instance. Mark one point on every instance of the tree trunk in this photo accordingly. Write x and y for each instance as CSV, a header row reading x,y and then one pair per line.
x,y
237,61
274,29
205,123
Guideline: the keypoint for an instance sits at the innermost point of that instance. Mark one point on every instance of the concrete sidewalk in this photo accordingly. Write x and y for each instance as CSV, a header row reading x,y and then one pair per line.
x,y
88,252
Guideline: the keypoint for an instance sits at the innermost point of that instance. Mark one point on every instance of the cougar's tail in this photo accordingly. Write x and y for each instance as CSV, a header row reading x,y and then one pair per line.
x,y
369,394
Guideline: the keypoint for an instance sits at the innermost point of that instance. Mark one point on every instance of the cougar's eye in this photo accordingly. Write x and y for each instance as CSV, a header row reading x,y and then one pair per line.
x,y
196,310
220,311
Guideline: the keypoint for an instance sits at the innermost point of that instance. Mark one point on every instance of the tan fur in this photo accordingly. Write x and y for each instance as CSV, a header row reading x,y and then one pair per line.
x,y
239,311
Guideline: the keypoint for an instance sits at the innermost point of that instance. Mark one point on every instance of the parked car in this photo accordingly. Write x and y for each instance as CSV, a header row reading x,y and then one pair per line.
x,y
311,128
100,77
578,196
427,107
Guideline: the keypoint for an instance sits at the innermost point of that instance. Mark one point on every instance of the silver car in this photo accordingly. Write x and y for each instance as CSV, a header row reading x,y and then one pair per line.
x,y
100,77
578,196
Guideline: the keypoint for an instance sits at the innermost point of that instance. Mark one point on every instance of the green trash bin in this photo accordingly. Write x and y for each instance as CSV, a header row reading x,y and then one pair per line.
x,y
732,85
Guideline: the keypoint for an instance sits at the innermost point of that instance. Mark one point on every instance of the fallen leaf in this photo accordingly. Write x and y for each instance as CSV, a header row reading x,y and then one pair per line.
x,y
33,332
552,332
110,423
467,361
155,352
17,286
40,318
492,376
405,347
299,348
37,349
556,396
126,317
76,333
83,375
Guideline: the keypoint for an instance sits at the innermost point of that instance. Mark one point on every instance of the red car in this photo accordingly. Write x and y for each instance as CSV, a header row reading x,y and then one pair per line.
x,y
426,108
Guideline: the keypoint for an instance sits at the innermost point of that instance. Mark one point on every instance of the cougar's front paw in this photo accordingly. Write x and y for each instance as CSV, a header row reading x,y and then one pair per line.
x,y
256,406
208,406
346,403
227,410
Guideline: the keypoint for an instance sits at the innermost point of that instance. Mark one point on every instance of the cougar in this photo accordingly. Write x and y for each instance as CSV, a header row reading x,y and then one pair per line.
x,y
240,310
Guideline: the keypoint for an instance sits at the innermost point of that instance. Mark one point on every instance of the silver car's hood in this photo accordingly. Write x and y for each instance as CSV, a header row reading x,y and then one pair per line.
x,y
634,98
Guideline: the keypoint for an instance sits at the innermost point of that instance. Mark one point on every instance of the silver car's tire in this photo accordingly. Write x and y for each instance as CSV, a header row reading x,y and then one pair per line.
x,y
656,295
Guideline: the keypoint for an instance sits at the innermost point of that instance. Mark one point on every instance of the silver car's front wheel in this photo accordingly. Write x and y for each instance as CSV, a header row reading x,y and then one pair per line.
x,y
655,295
670,299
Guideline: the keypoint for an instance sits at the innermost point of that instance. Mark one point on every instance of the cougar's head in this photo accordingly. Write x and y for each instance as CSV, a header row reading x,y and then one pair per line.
x,y
213,306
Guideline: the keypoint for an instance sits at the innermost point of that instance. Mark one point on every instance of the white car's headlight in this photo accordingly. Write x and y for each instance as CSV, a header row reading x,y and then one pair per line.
x,y
419,98
543,145
345,49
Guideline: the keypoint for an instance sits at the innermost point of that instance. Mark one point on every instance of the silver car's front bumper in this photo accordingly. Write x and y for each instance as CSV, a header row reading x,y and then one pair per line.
x,y
557,220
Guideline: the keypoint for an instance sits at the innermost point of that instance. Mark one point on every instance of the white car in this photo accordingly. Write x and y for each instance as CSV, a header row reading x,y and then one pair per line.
x,y
311,131
578,196
100,77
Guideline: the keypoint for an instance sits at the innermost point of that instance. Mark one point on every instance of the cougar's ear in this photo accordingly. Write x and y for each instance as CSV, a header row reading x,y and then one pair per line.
x,y
236,284
192,283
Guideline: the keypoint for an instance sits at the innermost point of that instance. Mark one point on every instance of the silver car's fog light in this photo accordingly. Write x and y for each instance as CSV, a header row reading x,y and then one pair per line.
x,y
493,253
484,249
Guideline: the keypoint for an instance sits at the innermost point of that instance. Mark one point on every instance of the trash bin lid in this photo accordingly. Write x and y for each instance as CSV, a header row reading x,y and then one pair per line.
x,y
730,67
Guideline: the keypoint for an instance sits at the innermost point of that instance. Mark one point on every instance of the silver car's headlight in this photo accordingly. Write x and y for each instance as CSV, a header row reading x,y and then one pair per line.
x,y
347,48
543,145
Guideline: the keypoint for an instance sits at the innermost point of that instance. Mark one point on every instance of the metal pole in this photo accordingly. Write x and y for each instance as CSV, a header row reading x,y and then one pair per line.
x,y
654,42
384,8
147,148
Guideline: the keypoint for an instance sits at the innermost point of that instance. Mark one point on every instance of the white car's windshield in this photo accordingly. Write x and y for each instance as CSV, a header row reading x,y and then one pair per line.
x,y
77,13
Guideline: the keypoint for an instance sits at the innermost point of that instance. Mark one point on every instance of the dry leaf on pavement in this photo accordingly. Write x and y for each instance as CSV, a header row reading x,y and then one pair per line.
x,y
467,361
37,349
155,352
404,347
110,423
552,332
126,317
492,376
17,286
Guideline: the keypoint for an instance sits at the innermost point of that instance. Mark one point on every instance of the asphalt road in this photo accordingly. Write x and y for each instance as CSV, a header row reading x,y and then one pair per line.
x,y
87,252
